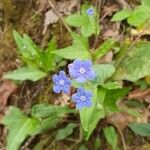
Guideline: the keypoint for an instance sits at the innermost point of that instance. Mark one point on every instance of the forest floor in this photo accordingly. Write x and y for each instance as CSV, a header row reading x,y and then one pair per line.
x,y
37,19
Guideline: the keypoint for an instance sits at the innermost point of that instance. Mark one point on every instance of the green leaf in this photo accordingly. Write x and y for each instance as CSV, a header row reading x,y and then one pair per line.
x,y
112,96
25,73
75,20
90,116
142,129
135,65
146,3
49,114
79,49
83,147
45,110
46,124
121,15
139,16
91,25
48,57
65,132
19,125
103,49
111,85
111,136
103,72
80,42
31,47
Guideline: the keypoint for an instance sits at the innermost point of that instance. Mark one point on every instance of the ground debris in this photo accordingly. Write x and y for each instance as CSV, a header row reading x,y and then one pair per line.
x,y
6,89
62,8
121,120
141,95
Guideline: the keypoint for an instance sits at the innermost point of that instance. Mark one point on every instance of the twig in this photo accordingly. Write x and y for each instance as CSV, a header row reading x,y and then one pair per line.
x,y
59,15
25,146
123,4
122,136
98,8
77,141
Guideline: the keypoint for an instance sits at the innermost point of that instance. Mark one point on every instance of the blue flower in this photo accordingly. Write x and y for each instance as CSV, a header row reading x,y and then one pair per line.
x,y
61,83
90,11
82,70
83,98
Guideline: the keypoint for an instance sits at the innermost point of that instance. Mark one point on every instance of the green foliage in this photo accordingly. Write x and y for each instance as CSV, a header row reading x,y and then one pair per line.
x,y
25,73
103,49
65,132
38,62
88,23
111,97
79,48
41,111
139,16
121,15
142,129
145,2
136,17
20,126
90,116
103,72
111,137
43,117
134,65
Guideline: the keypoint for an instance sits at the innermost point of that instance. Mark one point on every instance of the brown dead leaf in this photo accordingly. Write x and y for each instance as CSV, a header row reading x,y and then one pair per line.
x,y
140,95
145,116
62,100
120,119
6,89
50,18
66,7
58,9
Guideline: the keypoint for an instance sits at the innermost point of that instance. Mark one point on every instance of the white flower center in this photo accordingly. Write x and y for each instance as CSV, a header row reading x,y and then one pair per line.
x,y
82,70
61,82
82,98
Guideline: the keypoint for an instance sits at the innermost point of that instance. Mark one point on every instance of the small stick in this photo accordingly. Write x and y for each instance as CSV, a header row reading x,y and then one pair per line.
x,y
25,146
122,136
59,15
123,4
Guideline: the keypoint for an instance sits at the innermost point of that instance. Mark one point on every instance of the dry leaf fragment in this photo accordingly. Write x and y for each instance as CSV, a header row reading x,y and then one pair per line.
x,y
50,18
6,89
66,7
120,119
139,94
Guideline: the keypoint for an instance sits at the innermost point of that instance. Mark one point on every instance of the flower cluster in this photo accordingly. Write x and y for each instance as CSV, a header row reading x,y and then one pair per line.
x,y
81,71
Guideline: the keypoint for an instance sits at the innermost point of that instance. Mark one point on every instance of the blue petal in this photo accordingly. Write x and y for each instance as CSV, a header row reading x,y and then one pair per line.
x,y
80,90
75,97
66,89
77,62
56,88
79,105
81,79
73,72
62,74
88,103
55,78
89,94
88,63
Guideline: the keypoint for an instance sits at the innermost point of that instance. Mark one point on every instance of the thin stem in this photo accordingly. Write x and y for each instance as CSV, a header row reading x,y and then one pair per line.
x,y
90,86
59,15
122,136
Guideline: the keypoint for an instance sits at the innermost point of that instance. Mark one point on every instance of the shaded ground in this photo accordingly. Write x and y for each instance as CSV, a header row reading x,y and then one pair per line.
x,y
30,16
